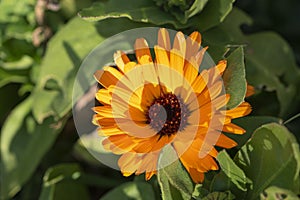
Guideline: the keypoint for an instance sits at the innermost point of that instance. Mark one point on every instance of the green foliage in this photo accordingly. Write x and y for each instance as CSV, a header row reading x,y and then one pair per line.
x,y
276,71
36,85
148,12
273,193
281,170
173,178
53,92
131,190
62,182
23,144
234,78
232,171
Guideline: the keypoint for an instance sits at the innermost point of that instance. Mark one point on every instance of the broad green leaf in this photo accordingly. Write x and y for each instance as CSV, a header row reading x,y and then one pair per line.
x,y
234,78
271,157
250,123
229,31
69,8
175,173
219,196
24,142
265,55
131,190
214,12
62,182
275,193
63,57
137,10
232,171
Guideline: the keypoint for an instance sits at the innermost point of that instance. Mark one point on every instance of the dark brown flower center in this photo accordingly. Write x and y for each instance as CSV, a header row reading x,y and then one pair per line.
x,y
167,114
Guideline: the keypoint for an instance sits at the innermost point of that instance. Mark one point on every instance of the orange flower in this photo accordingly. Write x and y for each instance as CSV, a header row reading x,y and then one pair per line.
x,y
161,100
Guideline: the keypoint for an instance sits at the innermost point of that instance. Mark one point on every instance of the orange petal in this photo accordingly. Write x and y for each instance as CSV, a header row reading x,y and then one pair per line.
x,y
232,128
108,76
103,131
142,51
196,37
121,59
196,176
176,60
162,56
180,43
190,71
225,142
164,39
221,66
193,43
129,66
199,56
128,163
250,90
104,96
242,110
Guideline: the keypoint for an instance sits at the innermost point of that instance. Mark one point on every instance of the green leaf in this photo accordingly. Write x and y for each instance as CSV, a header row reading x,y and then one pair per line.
x,y
234,78
219,196
24,63
196,8
182,11
89,148
62,182
131,190
9,9
232,171
12,76
274,193
60,64
250,123
214,12
24,142
271,157
168,191
199,192
266,54
174,173
137,10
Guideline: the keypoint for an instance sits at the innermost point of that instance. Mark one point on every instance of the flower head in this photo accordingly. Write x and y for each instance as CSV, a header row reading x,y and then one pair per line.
x,y
160,99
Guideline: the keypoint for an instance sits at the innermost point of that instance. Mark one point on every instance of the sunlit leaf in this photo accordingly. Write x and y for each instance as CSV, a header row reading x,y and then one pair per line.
x,y
23,144
273,193
271,157
136,10
60,64
232,171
